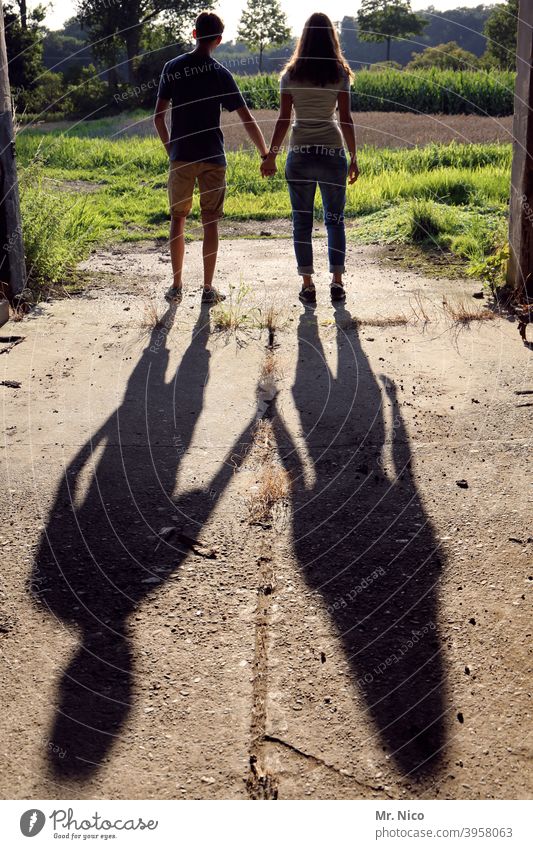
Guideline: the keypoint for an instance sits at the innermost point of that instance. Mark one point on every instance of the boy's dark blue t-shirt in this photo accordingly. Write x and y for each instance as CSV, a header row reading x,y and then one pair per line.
x,y
199,88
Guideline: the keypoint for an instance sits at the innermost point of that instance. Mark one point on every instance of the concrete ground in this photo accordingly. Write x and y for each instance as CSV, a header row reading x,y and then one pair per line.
x,y
291,559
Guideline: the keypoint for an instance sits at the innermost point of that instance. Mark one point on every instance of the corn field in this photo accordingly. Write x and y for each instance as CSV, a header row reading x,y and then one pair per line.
x,y
427,92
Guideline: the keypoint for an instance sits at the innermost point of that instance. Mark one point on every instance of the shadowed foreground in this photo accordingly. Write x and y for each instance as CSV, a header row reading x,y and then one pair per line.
x,y
362,539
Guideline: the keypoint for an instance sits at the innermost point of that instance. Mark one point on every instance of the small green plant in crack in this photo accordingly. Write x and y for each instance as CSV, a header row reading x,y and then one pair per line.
x,y
233,314
269,317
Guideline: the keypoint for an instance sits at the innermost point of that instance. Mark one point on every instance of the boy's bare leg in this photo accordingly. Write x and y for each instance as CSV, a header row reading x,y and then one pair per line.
x,y
209,249
177,248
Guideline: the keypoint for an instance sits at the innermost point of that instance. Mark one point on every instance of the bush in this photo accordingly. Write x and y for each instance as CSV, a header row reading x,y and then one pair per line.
x,y
493,268
89,93
427,221
49,95
446,57
58,229
378,67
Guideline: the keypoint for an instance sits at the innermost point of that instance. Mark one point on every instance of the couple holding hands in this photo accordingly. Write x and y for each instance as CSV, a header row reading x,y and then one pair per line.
x,y
315,83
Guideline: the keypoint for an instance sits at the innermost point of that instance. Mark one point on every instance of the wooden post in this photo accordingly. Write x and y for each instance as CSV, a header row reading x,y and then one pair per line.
x,y
520,270
12,265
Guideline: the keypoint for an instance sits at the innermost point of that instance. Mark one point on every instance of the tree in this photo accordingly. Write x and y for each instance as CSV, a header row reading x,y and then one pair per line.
x,y
49,95
444,56
89,93
263,24
383,20
160,43
66,49
113,25
348,37
24,51
501,30
23,9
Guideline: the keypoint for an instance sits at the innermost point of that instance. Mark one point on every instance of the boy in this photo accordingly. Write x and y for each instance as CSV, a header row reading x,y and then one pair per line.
x,y
198,88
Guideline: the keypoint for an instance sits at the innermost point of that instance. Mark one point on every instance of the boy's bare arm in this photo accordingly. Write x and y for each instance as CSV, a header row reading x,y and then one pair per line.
x,y
160,124
252,128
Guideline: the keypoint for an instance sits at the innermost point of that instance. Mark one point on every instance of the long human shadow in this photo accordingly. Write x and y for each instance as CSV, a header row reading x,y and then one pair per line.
x,y
362,539
102,554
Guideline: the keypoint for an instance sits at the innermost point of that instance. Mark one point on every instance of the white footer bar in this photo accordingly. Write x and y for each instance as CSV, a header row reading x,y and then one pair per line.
x,y
244,825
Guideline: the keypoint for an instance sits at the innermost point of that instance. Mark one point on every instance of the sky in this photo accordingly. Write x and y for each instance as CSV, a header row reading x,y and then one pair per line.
x,y
297,10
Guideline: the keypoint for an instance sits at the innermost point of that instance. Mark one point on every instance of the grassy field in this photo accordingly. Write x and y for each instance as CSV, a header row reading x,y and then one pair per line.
x,y
79,192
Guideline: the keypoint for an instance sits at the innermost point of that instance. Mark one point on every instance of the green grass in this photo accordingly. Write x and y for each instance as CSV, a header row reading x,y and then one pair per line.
x,y
59,229
428,92
451,197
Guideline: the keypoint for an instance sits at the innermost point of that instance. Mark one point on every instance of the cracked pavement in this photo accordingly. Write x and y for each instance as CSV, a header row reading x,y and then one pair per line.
x,y
369,638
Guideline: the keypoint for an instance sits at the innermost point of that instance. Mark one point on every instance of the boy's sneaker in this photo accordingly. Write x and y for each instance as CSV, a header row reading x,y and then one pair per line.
x,y
174,295
212,296
337,292
307,295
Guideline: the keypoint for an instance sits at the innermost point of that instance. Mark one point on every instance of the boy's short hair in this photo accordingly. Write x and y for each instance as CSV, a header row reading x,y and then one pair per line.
x,y
208,26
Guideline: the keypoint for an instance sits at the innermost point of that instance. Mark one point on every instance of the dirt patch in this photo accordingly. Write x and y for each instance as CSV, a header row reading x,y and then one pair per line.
x,y
368,639
381,129
83,187
398,129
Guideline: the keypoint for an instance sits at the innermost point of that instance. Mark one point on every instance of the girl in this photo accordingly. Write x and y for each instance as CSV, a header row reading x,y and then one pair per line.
x,y
315,82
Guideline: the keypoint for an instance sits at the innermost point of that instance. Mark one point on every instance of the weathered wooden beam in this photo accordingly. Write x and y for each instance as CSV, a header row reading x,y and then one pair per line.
x,y
520,270
4,311
12,264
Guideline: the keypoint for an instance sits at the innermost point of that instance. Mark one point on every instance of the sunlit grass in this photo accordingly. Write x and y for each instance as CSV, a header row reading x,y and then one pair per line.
x,y
451,196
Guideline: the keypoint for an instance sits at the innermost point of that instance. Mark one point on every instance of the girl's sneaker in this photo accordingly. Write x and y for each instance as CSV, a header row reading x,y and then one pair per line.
x,y
337,292
307,295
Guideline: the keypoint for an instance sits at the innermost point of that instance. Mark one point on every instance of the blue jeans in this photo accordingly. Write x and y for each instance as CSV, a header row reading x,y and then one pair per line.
x,y
327,167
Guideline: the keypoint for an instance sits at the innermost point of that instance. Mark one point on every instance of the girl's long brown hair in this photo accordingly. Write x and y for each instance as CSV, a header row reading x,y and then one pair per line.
x,y
318,57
